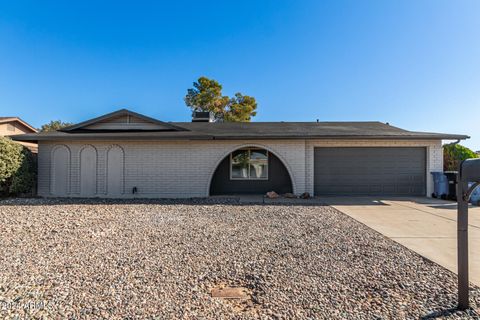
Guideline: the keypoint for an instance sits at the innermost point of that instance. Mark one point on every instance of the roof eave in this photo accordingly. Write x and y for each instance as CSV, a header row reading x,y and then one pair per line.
x,y
349,137
97,137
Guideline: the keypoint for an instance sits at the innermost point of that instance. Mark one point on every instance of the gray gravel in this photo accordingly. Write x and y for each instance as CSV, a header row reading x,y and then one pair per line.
x,y
146,259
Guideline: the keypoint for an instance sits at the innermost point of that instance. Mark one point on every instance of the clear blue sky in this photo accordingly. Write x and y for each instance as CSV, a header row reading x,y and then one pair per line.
x,y
415,64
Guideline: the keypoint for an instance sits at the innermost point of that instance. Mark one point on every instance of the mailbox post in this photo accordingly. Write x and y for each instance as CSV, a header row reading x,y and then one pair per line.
x,y
469,171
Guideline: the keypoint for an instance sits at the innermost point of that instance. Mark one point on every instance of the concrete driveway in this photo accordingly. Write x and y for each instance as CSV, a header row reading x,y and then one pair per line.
x,y
426,226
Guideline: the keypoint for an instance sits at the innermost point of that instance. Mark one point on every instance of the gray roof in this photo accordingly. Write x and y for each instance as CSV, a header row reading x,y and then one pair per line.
x,y
251,130
234,131
302,130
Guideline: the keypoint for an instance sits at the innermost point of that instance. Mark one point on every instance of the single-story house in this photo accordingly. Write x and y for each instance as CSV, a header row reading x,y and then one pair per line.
x,y
10,126
125,154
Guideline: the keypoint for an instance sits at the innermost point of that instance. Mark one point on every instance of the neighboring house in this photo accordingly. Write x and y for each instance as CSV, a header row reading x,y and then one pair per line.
x,y
124,154
13,125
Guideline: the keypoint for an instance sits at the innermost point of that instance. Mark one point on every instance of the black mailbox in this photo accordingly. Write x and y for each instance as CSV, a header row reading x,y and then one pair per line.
x,y
469,171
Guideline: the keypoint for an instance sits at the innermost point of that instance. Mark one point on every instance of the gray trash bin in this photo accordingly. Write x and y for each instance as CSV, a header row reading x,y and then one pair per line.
x,y
440,185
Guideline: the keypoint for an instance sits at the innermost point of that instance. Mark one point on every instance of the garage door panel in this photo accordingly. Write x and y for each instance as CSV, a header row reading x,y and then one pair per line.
x,y
375,189
388,190
370,171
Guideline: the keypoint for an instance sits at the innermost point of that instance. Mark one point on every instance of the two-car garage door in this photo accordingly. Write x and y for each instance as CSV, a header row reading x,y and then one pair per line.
x,y
370,171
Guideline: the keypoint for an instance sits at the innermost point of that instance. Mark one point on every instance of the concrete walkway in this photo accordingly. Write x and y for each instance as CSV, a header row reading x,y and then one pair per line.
x,y
426,226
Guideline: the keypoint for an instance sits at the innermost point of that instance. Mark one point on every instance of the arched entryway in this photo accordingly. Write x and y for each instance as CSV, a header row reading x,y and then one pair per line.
x,y
250,170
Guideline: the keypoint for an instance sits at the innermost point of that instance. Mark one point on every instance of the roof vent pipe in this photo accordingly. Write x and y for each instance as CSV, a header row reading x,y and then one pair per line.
x,y
202,116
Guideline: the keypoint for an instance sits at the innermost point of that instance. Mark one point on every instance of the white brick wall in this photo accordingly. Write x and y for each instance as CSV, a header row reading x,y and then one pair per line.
x,y
185,168
169,169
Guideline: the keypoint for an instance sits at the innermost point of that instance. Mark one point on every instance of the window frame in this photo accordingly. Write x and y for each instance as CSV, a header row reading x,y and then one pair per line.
x,y
249,163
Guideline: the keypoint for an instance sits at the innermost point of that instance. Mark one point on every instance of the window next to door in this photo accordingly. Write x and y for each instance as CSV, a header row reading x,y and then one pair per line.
x,y
249,164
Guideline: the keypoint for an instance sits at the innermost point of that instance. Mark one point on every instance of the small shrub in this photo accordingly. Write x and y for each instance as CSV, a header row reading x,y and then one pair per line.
x,y
453,154
23,181
17,168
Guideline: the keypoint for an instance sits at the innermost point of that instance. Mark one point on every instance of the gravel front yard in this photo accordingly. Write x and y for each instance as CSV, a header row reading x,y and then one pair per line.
x,y
94,259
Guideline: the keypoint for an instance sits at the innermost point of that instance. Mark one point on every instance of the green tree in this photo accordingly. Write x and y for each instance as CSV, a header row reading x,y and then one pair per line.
x,y
17,168
453,154
54,125
206,95
241,108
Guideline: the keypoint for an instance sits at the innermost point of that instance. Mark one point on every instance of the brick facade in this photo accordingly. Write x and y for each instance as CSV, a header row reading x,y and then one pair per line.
x,y
171,169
